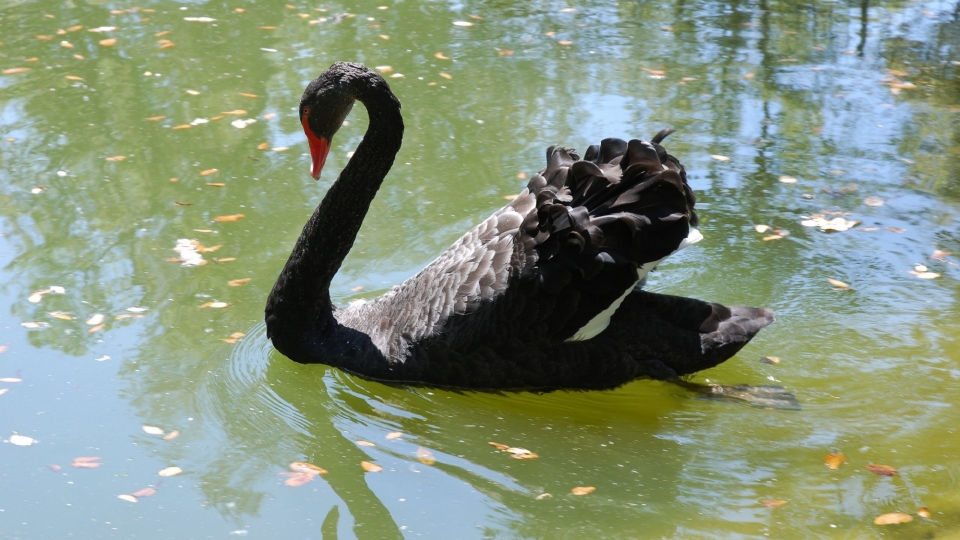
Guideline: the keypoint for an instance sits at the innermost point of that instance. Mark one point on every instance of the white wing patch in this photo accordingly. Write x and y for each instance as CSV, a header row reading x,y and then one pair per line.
x,y
602,320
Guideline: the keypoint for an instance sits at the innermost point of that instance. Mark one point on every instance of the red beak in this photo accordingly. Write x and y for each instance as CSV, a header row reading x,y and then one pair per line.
x,y
319,148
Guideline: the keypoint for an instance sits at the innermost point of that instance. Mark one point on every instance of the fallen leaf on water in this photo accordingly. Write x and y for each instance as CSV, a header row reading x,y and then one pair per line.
x,y
773,503
182,126
219,305
787,179
162,33
4,391
446,75
770,360
244,94
21,440
170,471
3,348
14,71
145,492
109,42
263,146
151,430
128,498
928,275
156,118
269,116
440,56
11,379
543,496
33,324
74,78
583,490
834,460
280,148
838,284
166,44
216,184
923,512
511,197
498,446
303,466
565,42
237,335
172,435
761,228
896,229
505,52
238,282
425,456
224,260
882,470
749,76
95,329
771,237
873,201
85,464
370,467
95,319
521,453
231,217
837,224
208,172
894,518
394,435
365,443
718,157
116,158
60,315
54,467
297,479
462,23
939,254
237,112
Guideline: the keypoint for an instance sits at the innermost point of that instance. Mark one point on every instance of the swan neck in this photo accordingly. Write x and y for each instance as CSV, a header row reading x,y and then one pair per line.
x,y
331,230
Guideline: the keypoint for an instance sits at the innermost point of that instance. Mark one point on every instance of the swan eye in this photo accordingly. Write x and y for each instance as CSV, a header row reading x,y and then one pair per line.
x,y
306,111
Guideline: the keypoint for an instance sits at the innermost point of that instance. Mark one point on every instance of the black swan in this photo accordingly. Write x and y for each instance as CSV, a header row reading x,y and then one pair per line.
x,y
544,294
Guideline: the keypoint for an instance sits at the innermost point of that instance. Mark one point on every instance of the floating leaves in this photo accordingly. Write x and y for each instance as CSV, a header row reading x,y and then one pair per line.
x,y
894,518
370,467
881,470
234,337
773,503
145,492
86,462
770,360
172,435
515,452
303,472
838,285
37,296
718,157
923,512
365,443
462,23
425,456
189,252
787,179
152,430
834,460
109,42
543,496
583,490
128,498
837,224
230,217
21,440
170,471
873,201
394,435
14,71
922,272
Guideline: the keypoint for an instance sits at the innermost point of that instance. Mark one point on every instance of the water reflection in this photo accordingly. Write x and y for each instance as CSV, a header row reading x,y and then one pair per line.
x,y
808,92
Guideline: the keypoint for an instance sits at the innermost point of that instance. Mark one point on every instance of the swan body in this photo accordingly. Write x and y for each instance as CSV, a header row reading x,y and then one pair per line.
x,y
543,294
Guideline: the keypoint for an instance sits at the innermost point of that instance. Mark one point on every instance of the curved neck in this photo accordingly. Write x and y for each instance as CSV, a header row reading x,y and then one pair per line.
x,y
304,283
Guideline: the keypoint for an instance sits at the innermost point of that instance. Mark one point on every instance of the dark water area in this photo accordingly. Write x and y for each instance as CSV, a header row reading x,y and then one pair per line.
x,y
124,129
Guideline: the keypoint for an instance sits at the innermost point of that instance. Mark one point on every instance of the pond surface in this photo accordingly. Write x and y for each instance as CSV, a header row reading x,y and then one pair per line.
x,y
134,127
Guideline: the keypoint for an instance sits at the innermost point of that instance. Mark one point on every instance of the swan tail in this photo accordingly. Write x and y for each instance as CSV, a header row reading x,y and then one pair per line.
x,y
603,220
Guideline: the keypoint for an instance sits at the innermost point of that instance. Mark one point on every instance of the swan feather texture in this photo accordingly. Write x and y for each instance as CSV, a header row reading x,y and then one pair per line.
x,y
541,295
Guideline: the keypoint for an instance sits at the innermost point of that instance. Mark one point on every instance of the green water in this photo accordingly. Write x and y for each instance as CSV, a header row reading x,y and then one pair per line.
x,y
818,92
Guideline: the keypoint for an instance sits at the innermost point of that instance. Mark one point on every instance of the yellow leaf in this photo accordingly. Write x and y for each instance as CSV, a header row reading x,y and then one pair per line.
x,y
60,315
370,467
773,503
238,282
302,466
263,146
116,158
425,456
446,75
155,118
208,172
881,470
498,446
182,126
394,435
583,490
838,284
231,217
894,518
73,78
14,71
95,329
365,443
172,435
440,56
834,460
109,42
170,471
244,94
923,512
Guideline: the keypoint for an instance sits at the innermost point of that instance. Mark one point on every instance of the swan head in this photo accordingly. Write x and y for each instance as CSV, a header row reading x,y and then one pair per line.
x,y
326,102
